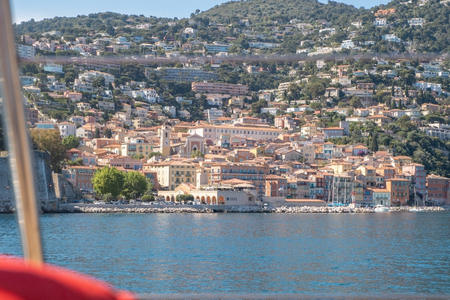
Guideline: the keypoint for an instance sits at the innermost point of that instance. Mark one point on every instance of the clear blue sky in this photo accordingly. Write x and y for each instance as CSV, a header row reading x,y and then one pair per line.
x,y
24,10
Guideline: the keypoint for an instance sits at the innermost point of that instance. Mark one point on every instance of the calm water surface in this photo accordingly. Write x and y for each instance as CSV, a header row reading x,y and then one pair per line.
x,y
374,254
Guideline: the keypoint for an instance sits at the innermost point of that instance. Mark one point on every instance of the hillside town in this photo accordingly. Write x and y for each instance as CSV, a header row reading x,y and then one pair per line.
x,y
232,156
313,131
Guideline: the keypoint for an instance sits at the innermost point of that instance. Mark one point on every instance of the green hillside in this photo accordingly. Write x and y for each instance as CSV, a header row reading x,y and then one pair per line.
x,y
283,11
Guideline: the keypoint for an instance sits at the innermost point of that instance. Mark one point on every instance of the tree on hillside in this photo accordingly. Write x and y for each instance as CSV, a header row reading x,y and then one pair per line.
x,y
197,154
134,186
256,107
108,181
49,140
71,142
315,88
98,82
355,102
374,142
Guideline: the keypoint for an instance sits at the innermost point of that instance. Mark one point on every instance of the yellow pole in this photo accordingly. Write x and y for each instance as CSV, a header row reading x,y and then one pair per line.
x,y
19,147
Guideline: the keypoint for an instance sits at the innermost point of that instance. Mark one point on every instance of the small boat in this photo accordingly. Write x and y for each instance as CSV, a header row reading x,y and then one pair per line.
x,y
381,208
416,209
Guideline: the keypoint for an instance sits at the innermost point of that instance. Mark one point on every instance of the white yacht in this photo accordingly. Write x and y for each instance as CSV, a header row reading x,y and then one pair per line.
x,y
381,208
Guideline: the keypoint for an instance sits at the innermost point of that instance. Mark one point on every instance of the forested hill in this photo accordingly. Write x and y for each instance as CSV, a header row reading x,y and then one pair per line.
x,y
384,28
282,11
82,24
432,36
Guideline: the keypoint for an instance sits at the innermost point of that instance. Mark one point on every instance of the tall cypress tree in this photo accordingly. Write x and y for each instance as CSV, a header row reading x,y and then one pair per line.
x,y
374,142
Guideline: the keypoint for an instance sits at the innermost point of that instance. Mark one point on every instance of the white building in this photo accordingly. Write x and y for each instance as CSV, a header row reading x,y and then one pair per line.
x,y
441,131
242,195
380,22
170,110
106,105
434,87
189,32
391,38
263,45
83,87
269,110
83,106
213,114
66,129
90,76
214,132
24,51
347,44
53,68
149,95
416,22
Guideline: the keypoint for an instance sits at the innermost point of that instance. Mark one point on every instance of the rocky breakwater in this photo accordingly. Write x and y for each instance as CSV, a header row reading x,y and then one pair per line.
x,y
172,208
417,209
347,209
321,209
105,208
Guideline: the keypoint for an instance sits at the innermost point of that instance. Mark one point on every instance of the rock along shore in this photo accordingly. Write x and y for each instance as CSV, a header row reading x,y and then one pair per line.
x,y
130,208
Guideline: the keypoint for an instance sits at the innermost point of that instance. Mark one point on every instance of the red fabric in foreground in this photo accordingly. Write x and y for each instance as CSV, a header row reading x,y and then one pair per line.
x,y
22,281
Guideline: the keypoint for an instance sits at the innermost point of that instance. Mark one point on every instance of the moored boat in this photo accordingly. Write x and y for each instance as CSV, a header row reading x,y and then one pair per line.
x,y
381,208
415,209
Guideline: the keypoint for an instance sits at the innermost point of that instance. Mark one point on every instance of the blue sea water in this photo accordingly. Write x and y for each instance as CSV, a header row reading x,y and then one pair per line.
x,y
308,254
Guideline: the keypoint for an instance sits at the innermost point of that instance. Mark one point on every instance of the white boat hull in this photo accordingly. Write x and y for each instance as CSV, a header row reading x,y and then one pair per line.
x,y
381,209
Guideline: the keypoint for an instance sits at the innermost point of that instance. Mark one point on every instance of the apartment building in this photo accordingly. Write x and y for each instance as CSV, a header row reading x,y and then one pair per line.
x,y
80,177
380,197
219,88
216,48
89,77
438,188
333,132
276,186
66,129
214,132
127,163
136,147
171,174
416,22
183,75
26,52
368,175
341,189
417,175
434,87
441,131
399,190
251,172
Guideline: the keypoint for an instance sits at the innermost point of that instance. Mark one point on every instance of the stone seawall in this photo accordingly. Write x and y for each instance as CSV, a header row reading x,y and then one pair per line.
x,y
43,182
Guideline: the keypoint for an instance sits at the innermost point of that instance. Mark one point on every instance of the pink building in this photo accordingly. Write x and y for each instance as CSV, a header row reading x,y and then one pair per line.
x,y
438,188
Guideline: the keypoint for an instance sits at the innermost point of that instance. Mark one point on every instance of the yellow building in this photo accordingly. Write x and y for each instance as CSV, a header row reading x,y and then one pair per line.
x,y
340,168
368,174
132,148
172,174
